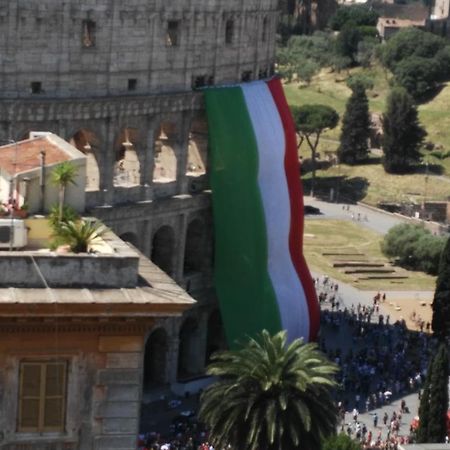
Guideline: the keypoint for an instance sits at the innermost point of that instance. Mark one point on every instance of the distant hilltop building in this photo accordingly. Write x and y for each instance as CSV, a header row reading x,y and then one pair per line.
x,y
117,80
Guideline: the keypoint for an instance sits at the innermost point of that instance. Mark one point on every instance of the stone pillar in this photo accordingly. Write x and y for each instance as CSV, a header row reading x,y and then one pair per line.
x,y
173,345
199,353
106,165
181,247
182,148
148,159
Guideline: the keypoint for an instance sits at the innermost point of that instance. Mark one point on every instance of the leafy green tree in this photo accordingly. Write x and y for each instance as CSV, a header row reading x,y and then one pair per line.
x,y
424,407
355,133
414,247
360,15
270,396
410,42
437,425
367,49
441,301
366,81
340,442
418,75
311,121
402,132
63,175
443,57
347,41
307,70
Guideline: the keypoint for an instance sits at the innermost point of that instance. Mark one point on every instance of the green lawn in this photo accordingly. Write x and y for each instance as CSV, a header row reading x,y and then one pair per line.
x,y
373,183
347,237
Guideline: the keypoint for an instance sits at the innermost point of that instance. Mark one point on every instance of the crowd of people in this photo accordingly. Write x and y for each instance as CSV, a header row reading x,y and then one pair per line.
x,y
184,433
379,362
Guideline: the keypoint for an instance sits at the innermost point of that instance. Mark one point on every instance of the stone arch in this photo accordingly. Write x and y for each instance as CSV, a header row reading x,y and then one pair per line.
x,y
165,166
198,146
87,142
188,357
194,252
163,245
130,237
155,358
127,168
215,338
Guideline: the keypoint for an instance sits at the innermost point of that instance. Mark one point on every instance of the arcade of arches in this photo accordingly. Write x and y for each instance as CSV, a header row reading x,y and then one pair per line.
x,y
181,353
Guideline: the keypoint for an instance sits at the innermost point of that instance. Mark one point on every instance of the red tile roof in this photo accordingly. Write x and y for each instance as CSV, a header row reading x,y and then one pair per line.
x,y
25,155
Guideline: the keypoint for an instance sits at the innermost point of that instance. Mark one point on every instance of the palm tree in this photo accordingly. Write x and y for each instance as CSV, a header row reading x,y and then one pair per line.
x,y
79,235
270,396
63,175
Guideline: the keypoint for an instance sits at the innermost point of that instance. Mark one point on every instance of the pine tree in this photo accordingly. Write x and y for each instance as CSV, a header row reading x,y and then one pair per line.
x,y
403,133
437,425
441,301
355,127
424,408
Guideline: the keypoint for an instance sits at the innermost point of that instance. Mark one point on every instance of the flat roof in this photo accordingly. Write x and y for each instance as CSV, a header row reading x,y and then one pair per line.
x,y
156,293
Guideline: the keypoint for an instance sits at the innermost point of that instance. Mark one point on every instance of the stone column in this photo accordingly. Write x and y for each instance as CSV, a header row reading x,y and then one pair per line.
x,y
173,345
148,160
181,247
182,148
199,353
107,162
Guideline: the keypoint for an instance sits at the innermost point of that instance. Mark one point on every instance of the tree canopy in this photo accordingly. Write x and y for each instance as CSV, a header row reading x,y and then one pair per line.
x,y
355,133
402,132
310,122
270,396
418,75
414,247
358,14
441,301
410,42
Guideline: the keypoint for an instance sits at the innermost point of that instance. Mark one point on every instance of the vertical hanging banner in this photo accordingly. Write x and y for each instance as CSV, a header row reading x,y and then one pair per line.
x,y
262,279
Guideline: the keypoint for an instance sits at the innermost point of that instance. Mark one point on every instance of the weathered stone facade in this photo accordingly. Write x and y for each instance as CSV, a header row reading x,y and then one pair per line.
x,y
117,80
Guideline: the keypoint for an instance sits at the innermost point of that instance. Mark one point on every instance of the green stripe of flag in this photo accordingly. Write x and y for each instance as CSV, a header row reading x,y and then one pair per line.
x,y
245,292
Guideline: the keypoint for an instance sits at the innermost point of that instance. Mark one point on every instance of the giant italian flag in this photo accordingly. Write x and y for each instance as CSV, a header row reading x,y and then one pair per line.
x,y
261,276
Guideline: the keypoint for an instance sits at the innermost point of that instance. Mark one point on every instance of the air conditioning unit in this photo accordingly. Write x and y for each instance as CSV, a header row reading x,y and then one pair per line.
x,y
13,233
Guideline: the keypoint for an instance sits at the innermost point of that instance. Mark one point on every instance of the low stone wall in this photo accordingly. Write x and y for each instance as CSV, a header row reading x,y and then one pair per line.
x,y
21,269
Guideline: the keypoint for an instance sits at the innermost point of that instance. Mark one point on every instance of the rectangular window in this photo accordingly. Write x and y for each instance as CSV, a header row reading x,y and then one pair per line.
x,y
88,39
172,37
42,396
36,87
264,30
229,31
199,81
132,84
246,75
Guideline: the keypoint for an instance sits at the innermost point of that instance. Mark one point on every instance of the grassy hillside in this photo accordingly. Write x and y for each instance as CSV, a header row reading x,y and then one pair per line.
x,y
330,88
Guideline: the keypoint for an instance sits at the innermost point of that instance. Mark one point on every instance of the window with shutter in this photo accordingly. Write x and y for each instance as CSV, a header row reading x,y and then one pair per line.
x,y
42,396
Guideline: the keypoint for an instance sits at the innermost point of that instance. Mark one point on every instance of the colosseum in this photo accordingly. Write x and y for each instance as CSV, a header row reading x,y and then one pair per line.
x,y
121,81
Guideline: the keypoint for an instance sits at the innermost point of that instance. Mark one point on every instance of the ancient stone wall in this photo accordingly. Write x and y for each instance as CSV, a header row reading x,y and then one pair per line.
x,y
98,47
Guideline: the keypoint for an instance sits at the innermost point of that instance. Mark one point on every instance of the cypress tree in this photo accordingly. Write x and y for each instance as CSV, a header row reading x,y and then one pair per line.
x,y
355,127
437,425
424,408
402,132
441,302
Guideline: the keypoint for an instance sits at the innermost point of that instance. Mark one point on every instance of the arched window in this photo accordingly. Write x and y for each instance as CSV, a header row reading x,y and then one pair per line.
x,y
87,142
163,249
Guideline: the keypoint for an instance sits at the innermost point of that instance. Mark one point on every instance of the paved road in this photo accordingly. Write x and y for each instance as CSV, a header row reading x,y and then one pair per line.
x,y
371,218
